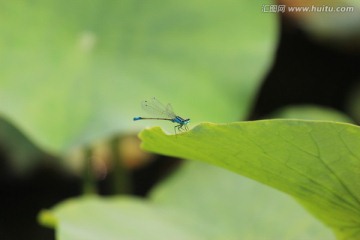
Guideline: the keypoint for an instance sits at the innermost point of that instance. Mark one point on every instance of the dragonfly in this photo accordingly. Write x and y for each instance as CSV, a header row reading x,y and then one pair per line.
x,y
162,112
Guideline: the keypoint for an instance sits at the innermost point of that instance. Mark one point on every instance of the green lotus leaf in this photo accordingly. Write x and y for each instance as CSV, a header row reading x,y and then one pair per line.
x,y
316,162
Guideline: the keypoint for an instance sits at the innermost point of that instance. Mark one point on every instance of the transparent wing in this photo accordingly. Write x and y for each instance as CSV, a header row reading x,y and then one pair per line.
x,y
170,111
156,109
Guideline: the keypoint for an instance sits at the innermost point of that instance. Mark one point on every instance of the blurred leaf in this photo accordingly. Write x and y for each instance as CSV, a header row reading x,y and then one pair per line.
x,y
21,154
235,207
311,112
316,162
94,218
74,71
198,202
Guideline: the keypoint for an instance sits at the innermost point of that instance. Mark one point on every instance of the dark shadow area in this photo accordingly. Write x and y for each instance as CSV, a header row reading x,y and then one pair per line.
x,y
306,71
22,198
144,178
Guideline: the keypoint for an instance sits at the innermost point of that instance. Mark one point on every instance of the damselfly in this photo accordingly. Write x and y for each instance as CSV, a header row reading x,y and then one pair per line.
x,y
161,112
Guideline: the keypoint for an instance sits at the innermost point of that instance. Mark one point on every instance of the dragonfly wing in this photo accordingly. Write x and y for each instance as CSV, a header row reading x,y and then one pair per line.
x,y
156,109
170,111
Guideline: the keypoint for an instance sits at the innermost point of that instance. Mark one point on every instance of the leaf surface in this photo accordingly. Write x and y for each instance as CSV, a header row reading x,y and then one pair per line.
x,y
316,162
199,201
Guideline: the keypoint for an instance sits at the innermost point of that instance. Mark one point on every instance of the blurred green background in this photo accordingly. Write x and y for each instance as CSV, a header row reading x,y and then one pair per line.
x,y
89,64
73,75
